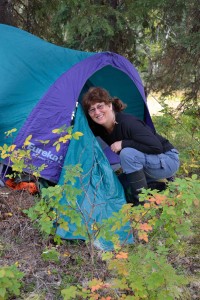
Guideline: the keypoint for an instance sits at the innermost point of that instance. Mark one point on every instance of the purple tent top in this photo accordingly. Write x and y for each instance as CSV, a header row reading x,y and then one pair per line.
x,y
56,108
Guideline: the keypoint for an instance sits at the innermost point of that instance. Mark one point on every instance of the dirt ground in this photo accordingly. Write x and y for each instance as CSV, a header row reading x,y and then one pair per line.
x,y
22,244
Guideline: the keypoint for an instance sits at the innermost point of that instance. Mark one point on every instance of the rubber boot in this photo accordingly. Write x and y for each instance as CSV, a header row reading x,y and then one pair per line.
x,y
123,180
136,181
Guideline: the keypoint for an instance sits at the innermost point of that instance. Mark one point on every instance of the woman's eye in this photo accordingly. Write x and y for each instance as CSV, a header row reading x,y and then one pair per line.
x,y
99,107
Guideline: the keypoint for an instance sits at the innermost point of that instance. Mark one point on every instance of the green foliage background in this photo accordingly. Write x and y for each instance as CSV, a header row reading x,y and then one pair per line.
x,y
160,37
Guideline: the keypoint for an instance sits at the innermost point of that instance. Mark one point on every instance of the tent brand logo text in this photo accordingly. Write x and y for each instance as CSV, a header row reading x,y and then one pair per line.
x,y
42,154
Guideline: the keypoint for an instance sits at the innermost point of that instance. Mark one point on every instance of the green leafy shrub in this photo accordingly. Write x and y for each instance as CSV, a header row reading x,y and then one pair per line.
x,y
143,270
49,212
10,281
140,271
183,131
50,255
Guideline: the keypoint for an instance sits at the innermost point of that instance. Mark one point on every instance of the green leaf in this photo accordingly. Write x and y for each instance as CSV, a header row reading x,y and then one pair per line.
x,y
2,293
9,132
2,273
69,293
194,177
64,225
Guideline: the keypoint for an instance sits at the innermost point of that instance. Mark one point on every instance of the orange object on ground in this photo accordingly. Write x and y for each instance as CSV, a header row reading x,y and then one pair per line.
x,y
29,186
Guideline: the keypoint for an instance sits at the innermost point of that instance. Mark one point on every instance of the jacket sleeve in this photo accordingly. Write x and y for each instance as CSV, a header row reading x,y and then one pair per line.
x,y
141,137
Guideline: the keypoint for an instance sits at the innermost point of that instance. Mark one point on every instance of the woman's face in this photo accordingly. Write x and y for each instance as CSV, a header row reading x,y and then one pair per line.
x,y
101,113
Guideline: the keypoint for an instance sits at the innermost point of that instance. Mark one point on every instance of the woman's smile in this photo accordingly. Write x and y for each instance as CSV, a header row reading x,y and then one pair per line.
x,y
101,113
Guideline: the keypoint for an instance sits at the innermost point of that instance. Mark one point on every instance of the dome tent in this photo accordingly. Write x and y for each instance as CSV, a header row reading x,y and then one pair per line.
x,y
41,84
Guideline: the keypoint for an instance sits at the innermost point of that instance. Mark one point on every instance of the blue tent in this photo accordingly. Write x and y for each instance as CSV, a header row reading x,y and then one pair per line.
x,y
41,84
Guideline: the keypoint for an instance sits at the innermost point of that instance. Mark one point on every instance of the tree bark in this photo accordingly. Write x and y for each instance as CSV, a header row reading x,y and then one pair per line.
x,y
6,16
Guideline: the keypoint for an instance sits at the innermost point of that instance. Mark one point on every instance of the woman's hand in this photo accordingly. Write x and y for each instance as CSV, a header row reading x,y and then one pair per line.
x,y
116,147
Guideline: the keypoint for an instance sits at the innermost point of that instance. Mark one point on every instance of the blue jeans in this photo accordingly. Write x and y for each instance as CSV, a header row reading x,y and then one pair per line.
x,y
155,166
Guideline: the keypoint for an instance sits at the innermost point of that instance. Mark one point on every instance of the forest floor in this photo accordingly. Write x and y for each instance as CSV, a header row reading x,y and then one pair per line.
x,y
21,244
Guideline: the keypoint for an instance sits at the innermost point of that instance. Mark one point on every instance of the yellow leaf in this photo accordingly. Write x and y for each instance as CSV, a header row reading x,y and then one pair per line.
x,y
27,140
65,138
44,141
143,236
94,226
147,205
179,195
12,147
36,174
77,134
66,254
57,147
55,130
95,284
9,214
137,218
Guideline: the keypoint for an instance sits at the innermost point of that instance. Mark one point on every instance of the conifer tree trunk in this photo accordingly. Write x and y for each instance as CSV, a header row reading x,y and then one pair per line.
x,y
6,16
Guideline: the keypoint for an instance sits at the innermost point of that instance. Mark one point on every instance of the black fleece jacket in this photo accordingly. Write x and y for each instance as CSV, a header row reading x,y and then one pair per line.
x,y
133,133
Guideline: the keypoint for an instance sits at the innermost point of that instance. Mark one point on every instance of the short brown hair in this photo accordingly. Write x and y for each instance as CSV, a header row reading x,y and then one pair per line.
x,y
98,95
